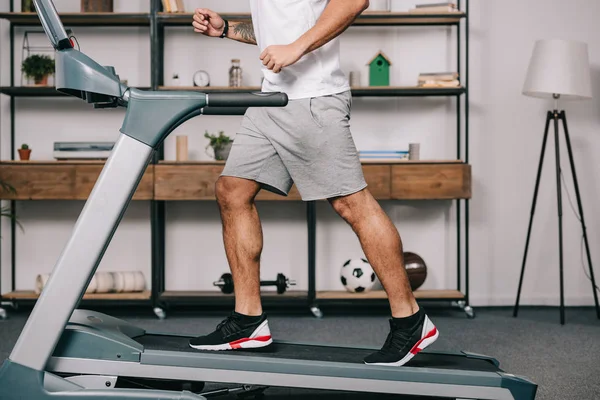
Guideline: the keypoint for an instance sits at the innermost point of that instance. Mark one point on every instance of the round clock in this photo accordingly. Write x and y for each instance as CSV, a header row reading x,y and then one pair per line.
x,y
201,78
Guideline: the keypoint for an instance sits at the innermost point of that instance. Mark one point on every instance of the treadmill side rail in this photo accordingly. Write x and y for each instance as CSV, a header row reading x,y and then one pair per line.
x,y
105,323
239,375
18,382
482,357
85,342
520,387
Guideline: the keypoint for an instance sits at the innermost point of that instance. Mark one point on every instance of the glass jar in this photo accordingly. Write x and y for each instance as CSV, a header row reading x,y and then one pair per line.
x,y
235,74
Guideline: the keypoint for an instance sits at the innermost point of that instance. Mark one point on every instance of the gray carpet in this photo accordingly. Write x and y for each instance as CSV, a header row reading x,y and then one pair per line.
x,y
563,360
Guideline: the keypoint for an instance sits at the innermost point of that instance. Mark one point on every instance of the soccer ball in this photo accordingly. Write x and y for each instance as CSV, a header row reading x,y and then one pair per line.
x,y
357,276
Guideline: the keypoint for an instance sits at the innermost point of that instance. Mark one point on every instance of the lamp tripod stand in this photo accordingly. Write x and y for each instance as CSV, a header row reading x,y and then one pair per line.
x,y
557,116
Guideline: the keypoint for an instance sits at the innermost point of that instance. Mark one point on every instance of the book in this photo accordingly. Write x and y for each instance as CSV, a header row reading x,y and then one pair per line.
x,y
83,146
438,76
173,6
434,83
442,4
435,8
382,155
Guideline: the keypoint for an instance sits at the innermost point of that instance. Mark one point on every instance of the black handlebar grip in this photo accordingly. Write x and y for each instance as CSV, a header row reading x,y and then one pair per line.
x,y
257,99
224,110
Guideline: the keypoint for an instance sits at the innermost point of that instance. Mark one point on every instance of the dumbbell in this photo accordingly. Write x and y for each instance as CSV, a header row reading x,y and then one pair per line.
x,y
282,283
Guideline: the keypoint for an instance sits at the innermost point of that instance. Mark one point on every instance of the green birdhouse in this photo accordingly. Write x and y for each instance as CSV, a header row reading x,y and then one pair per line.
x,y
379,70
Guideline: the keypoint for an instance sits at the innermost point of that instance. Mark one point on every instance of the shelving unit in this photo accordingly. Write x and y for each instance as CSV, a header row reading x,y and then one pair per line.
x,y
170,181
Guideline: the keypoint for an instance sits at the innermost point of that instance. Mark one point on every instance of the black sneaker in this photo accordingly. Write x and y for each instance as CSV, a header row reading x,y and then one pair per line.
x,y
402,344
236,332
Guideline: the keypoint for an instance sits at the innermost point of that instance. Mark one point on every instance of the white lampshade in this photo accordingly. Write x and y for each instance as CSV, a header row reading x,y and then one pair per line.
x,y
559,67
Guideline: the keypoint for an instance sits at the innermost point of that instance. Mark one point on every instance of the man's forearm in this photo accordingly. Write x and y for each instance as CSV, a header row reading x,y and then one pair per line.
x,y
242,32
337,17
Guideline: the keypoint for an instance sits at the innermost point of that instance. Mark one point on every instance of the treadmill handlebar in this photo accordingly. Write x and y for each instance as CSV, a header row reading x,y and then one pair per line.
x,y
52,24
224,110
258,99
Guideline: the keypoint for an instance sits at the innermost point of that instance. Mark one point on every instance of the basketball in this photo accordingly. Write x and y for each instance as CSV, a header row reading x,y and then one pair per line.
x,y
416,269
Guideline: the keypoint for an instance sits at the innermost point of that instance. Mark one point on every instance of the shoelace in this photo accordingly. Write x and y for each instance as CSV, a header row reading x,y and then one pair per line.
x,y
229,326
396,340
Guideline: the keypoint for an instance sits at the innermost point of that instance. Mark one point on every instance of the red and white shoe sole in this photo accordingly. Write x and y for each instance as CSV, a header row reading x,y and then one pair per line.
x,y
261,337
246,343
427,340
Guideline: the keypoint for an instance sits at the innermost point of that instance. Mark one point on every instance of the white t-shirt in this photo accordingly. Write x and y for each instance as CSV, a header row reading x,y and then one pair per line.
x,y
281,22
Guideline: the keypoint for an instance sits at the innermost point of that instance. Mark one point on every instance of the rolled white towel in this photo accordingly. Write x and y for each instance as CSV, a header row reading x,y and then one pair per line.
x,y
106,282
40,283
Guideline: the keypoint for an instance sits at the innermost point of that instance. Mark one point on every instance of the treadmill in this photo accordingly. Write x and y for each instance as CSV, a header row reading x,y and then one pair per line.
x,y
65,353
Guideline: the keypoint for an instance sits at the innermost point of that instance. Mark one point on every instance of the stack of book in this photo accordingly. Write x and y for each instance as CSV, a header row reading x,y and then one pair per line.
x,y
439,79
383,155
434,8
82,150
173,6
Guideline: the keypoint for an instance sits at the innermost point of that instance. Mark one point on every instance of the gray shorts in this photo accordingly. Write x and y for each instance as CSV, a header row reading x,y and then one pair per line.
x,y
308,143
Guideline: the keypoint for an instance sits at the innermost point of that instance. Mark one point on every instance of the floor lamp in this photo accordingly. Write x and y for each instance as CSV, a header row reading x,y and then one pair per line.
x,y
558,70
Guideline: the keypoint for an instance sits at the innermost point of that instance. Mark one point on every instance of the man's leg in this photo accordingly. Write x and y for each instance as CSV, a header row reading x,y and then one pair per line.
x,y
410,329
242,236
253,164
382,246
247,326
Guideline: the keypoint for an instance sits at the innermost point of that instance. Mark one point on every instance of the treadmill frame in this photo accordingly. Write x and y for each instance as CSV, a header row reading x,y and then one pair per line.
x,y
98,344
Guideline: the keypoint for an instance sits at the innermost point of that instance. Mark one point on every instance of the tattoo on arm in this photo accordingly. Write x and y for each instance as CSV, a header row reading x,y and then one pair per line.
x,y
244,32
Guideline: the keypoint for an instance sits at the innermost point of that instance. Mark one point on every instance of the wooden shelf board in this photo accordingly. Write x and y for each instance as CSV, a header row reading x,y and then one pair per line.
x,y
381,295
368,91
215,293
82,19
367,162
30,295
209,89
52,162
365,19
39,91
207,162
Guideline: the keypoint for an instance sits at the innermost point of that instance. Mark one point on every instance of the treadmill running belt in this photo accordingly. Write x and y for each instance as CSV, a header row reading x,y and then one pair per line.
x,y
321,353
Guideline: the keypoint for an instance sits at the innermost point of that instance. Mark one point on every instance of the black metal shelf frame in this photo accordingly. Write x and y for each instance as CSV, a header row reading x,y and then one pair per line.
x,y
156,20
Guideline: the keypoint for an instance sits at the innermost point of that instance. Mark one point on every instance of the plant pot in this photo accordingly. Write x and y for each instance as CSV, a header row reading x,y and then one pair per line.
x,y
222,153
24,154
96,5
43,81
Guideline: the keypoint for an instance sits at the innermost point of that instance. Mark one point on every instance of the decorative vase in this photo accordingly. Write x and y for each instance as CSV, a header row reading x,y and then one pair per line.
x,y
96,5
24,154
380,5
222,153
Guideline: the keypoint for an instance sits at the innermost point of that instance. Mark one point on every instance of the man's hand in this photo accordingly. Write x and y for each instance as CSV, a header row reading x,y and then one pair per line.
x,y
208,22
275,58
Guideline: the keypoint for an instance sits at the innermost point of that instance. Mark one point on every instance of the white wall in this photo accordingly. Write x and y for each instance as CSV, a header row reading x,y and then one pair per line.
x,y
505,129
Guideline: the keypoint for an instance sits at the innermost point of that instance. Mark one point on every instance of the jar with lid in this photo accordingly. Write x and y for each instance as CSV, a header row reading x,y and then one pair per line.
x,y
235,73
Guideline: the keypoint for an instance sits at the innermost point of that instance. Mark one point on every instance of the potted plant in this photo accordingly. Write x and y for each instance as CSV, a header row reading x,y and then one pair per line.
x,y
38,67
221,145
24,152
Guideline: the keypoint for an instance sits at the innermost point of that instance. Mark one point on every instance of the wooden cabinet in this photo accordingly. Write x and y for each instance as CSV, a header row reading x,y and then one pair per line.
x,y
60,181
196,181
431,181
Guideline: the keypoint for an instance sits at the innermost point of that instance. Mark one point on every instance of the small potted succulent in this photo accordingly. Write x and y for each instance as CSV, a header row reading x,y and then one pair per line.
x,y
38,67
221,145
24,152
